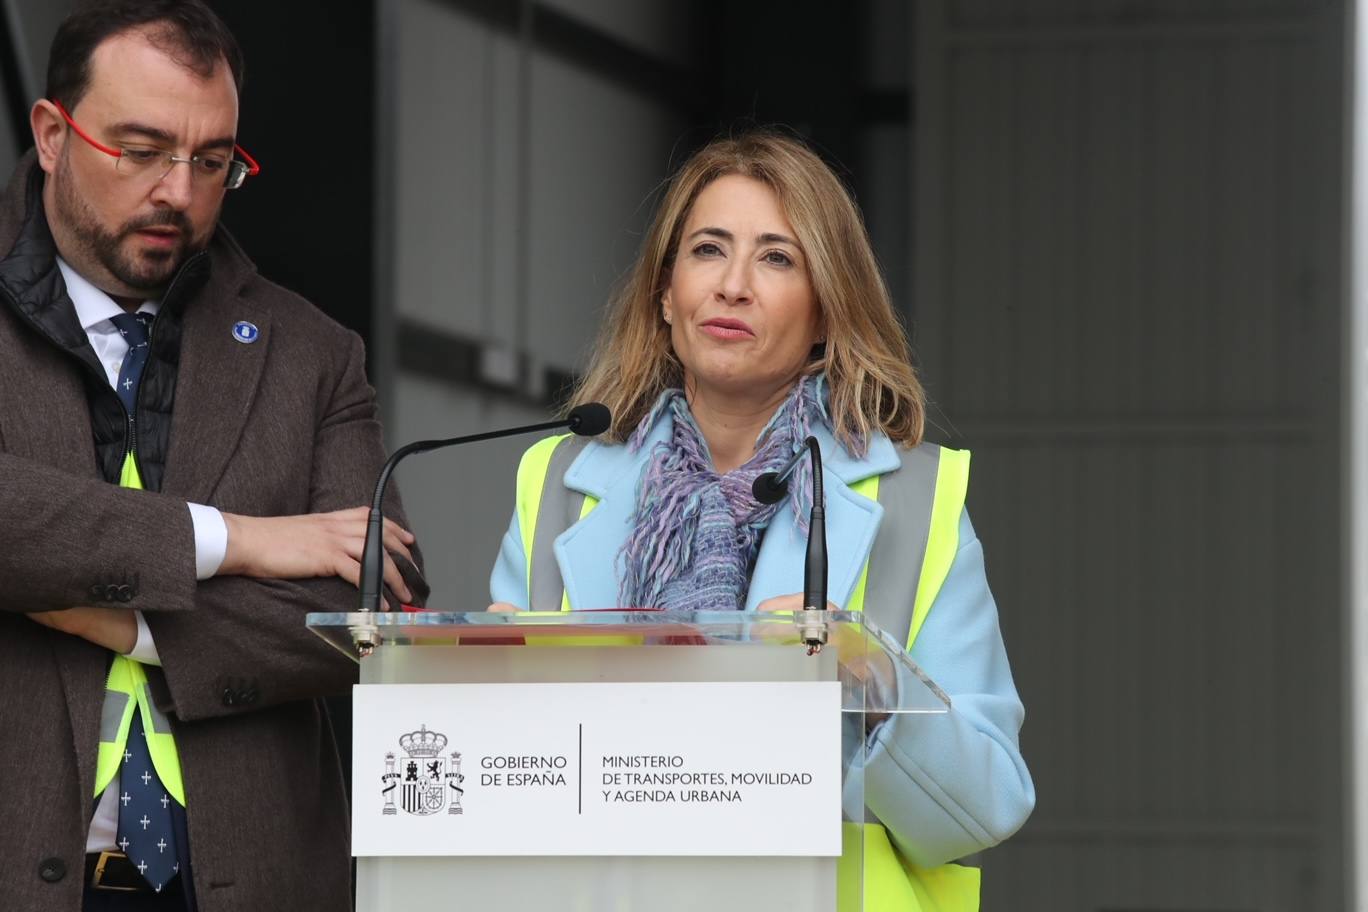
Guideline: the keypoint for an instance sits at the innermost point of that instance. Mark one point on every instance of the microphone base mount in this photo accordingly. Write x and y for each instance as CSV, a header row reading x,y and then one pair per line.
x,y
812,628
365,638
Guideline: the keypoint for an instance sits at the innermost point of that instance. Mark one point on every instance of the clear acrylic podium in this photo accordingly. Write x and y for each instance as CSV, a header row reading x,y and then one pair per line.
x,y
878,682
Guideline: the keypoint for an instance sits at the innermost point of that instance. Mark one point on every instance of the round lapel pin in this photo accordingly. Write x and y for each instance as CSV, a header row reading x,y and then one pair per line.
x,y
245,332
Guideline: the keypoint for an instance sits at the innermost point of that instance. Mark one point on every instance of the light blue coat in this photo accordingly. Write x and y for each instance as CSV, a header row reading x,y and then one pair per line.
x,y
945,786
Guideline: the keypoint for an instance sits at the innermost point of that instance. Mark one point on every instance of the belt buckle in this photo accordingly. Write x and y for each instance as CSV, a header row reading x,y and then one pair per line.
x,y
100,863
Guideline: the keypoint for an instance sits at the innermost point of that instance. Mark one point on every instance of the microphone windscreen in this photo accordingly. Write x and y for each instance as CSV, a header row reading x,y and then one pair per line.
x,y
768,489
590,419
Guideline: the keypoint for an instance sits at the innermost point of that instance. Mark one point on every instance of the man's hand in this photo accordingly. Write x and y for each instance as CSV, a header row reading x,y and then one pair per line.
x,y
112,628
311,545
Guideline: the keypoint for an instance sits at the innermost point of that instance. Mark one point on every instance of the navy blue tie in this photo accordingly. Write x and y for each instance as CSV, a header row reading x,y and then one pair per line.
x,y
146,830
146,833
135,329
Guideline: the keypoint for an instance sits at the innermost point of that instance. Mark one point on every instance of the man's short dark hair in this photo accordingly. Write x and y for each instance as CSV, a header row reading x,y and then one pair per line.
x,y
186,30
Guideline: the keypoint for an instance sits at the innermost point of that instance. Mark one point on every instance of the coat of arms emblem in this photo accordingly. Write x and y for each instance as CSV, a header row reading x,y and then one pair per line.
x,y
426,781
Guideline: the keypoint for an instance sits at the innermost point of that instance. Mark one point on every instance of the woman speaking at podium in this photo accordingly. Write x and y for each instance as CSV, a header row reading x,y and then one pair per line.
x,y
755,316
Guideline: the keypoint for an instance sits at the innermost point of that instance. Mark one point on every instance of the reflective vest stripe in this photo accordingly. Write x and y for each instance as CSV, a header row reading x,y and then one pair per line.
x,y
116,718
562,508
126,688
894,565
952,484
585,508
926,494
115,714
532,474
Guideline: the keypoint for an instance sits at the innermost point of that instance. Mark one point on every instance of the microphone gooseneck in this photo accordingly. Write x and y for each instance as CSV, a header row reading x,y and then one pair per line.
x,y
586,420
815,564
771,487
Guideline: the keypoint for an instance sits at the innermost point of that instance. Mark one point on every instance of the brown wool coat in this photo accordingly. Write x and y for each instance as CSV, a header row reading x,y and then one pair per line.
x,y
285,425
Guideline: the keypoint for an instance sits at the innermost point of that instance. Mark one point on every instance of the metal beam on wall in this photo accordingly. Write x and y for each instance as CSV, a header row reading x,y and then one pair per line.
x,y
596,51
1355,459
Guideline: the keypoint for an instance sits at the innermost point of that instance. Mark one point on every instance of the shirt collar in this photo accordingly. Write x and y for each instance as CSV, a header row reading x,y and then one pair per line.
x,y
93,306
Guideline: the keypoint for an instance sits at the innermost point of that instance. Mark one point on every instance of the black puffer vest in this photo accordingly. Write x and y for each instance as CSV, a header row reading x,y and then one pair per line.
x,y
31,285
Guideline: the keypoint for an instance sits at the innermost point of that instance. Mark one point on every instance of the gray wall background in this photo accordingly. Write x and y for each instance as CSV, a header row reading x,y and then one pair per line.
x,y
1116,228
1127,257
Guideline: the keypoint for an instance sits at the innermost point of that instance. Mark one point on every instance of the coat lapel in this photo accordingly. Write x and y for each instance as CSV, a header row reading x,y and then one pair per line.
x,y
83,668
852,522
214,400
53,429
588,551
54,426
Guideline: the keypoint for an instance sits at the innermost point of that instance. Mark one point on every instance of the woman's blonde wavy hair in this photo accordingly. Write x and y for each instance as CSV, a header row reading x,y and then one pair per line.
x,y
867,359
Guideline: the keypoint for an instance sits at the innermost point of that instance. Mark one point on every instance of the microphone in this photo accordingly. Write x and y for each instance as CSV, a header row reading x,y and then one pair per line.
x,y
588,420
771,487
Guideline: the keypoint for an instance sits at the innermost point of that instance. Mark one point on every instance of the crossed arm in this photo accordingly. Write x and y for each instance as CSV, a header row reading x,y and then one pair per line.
x,y
313,545
68,535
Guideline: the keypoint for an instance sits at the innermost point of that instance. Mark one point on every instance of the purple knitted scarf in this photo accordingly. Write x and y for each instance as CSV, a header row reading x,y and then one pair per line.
x,y
696,533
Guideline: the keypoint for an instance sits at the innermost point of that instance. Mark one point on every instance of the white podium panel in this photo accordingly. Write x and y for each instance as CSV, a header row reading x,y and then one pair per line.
x,y
500,755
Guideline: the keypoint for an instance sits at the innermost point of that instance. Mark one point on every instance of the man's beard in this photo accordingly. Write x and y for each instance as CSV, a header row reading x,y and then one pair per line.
x,y
147,272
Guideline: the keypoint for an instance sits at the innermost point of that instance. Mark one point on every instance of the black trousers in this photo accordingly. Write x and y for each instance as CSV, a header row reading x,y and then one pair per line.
x,y
170,899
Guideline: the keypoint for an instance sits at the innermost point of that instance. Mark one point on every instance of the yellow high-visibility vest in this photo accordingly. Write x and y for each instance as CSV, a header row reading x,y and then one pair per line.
x,y
125,691
891,882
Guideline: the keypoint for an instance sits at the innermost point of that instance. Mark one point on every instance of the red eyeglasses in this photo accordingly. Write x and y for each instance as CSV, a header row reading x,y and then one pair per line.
x,y
148,162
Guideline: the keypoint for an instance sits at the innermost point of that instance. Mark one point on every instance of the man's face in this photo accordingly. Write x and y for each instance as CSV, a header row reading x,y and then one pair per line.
x,y
129,230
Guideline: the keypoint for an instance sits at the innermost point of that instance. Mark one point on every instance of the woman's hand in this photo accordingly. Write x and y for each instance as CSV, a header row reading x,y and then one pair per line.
x,y
791,602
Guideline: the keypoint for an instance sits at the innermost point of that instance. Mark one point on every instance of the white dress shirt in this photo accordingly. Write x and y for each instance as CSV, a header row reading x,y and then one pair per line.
x,y
94,309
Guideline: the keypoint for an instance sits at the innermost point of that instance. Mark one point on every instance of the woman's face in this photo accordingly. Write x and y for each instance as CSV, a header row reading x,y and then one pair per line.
x,y
742,315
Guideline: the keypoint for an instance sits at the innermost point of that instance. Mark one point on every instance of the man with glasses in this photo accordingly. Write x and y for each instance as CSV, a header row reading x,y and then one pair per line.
x,y
183,449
